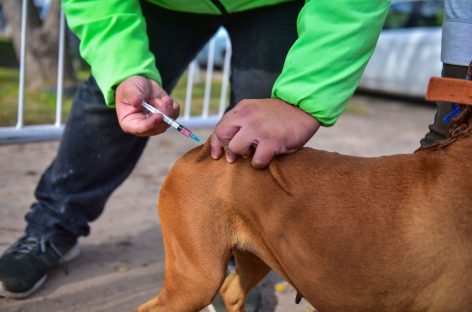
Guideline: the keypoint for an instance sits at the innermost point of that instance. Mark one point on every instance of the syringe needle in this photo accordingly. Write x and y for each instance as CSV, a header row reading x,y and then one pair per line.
x,y
171,122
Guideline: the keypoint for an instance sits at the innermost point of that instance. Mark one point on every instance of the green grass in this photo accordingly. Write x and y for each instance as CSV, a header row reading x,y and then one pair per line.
x,y
198,94
40,105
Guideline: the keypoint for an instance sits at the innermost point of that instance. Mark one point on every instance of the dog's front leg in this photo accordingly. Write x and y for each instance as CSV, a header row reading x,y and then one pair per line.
x,y
248,272
192,278
196,256
187,290
150,306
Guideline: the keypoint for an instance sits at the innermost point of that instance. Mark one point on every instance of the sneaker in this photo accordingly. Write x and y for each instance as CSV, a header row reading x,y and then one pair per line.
x,y
24,266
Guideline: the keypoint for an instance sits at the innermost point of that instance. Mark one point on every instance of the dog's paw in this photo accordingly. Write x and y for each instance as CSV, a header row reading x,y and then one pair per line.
x,y
150,306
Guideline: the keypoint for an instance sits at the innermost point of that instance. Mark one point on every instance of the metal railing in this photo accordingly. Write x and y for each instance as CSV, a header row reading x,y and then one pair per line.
x,y
22,133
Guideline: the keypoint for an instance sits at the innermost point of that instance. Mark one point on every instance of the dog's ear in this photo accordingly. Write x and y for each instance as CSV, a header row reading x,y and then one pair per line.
x,y
450,90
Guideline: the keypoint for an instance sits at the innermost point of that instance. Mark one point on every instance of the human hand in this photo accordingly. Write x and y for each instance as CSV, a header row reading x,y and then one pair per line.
x,y
270,126
132,117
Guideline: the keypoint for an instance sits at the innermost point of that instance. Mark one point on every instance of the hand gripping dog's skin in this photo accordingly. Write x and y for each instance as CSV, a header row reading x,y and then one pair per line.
x,y
388,233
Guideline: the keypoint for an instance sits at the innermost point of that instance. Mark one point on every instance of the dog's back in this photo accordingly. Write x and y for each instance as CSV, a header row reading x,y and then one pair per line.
x,y
350,233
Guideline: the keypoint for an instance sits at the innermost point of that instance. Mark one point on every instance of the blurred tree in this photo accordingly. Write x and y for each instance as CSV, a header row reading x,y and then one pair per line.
x,y
41,44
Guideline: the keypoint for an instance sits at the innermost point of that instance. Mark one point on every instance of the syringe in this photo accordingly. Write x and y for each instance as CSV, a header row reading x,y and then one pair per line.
x,y
171,122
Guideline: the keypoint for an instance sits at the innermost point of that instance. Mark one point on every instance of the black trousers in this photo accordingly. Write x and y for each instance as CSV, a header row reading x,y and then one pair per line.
x,y
95,156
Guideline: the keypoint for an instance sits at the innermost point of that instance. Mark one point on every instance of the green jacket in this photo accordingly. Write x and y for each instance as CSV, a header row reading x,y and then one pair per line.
x,y
322,69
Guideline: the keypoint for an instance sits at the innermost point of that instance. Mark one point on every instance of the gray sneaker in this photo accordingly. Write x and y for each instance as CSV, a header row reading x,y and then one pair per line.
x,y
24,266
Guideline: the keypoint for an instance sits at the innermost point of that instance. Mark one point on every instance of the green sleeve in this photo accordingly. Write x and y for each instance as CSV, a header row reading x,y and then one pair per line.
x,y
113,41
336,39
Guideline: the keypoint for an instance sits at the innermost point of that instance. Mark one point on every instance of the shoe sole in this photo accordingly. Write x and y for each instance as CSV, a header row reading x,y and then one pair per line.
x,y
68,257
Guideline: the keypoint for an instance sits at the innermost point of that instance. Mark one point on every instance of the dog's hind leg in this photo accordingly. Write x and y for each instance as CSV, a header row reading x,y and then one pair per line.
x,y
248,272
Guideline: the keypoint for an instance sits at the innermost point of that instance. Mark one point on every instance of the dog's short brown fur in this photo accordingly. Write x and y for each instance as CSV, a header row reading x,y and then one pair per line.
x,y
377,234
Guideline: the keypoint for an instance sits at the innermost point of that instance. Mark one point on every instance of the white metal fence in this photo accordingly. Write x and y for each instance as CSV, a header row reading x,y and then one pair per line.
x,y
29,133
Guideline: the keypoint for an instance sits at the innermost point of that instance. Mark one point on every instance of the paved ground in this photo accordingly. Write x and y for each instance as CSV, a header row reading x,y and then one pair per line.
x,y
122,260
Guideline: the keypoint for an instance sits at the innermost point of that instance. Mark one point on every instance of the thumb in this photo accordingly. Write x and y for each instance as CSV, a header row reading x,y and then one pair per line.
x,y
134,90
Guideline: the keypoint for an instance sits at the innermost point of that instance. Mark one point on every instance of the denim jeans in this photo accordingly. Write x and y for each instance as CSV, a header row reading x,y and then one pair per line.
x,y
95,156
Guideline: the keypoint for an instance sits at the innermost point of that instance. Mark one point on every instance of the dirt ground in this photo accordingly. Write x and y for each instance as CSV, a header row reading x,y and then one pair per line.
x,y
121,264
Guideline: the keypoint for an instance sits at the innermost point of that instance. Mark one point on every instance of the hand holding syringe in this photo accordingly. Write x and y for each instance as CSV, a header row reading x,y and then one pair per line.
x,y
171,122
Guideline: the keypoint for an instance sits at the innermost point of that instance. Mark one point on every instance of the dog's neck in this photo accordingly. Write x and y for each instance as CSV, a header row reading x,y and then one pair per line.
x,y
454,153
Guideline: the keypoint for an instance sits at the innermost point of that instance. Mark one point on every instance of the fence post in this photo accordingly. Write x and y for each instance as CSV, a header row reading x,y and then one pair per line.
x,y
21,89
60,70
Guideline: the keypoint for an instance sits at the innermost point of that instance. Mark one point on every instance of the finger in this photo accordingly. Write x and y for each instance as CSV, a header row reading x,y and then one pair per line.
x,y
167,105
216,147
241,143
140,126
156,90
225,131
230,156
291,150
175,109
134,92
263,155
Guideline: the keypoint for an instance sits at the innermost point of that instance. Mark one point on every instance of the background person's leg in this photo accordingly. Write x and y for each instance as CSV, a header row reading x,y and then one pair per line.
x,y
175,38
456,48
95,156
439,129
260,40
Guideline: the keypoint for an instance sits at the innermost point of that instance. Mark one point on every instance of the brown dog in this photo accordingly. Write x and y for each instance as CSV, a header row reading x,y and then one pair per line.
x,y
351,234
